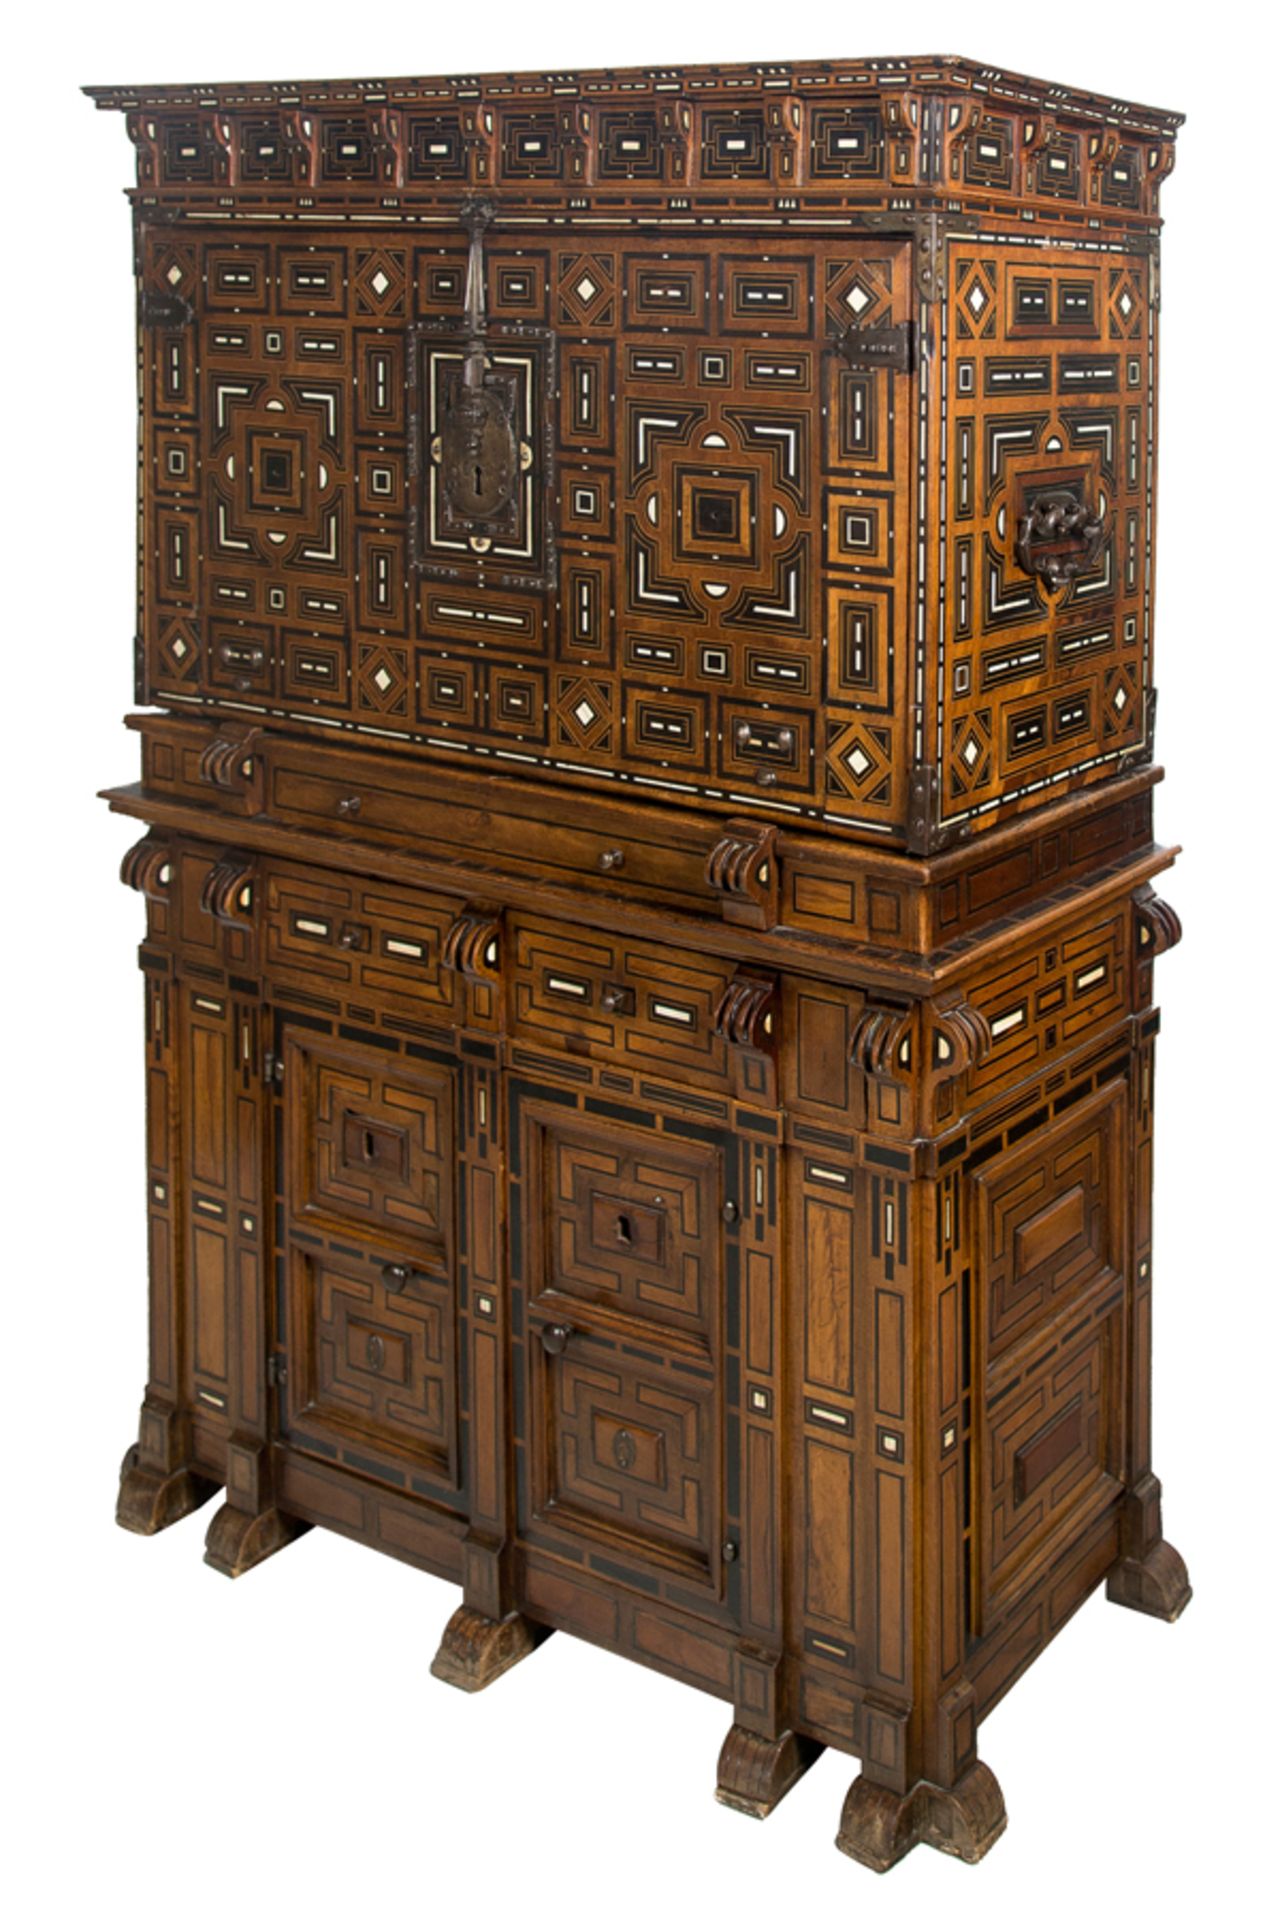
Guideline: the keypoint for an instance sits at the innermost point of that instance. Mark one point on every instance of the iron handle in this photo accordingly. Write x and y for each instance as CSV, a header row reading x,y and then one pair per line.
x,y
555,1339
396,1277
1050,519
610,859
350,805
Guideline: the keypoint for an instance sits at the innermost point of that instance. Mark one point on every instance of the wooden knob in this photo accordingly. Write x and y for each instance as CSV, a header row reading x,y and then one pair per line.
x,y
555,1339
396,1277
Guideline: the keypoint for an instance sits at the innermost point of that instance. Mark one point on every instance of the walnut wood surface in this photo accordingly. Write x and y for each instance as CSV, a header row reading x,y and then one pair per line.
x,y
648,863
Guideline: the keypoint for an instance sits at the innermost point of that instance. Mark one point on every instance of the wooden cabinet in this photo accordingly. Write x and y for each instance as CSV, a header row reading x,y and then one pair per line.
x,y
646,622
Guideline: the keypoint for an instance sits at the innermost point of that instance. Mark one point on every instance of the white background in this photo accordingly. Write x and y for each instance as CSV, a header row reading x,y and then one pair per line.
x,y
182,1744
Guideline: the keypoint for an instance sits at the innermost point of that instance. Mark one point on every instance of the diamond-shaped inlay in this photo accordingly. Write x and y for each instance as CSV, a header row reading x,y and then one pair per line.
x,y
174,275
1119,698
178,647
971,751
858,762
977,299
382,679
584,713
1126,304
587,289
380,283
858,298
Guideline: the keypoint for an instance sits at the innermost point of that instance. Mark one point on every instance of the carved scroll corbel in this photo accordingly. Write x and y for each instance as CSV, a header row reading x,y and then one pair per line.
x,y
385,140
959,1038
900,113
1157,924
227,891
300,133
233,763
747,1019
473,945
1102,150
744,869
783,123
148,868
674,140
881,1040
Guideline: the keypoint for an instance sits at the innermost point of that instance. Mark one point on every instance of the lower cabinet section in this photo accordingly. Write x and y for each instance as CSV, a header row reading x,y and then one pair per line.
x,y
774,1330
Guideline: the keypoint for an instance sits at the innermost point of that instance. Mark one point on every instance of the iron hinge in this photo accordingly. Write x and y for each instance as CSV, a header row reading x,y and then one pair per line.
x,y
864,349
276,1370
273,1069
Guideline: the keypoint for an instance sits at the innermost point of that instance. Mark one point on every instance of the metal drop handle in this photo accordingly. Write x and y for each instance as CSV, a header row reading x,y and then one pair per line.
x,y
1050,519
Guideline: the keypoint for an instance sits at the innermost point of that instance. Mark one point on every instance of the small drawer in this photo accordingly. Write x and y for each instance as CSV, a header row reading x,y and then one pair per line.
x,y
365,939
620,999
240,659
771,748
664,862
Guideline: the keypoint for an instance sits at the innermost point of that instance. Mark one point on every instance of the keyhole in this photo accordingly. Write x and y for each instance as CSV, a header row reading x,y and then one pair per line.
x,y
369,1144
476,481
623,1230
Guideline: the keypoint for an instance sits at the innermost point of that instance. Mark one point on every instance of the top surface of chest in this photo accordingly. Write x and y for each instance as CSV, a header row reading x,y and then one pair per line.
x,y
776,438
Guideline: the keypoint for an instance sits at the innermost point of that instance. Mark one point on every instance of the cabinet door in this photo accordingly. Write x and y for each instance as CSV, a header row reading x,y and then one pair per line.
x,y
1049,1311
626,1276
369,1167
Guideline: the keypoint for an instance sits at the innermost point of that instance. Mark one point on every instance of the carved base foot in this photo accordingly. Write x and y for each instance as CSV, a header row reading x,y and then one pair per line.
x,y
237,1541
475,1650
753,1773
1157,1584
879,1827
149,1501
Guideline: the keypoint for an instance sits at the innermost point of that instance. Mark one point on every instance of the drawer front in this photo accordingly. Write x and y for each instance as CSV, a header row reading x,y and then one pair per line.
x,y
620,999
363,938
372,1366
369,1146
660,862
1051,1239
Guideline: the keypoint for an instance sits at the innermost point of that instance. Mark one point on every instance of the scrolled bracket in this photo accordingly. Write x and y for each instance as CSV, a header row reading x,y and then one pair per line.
x,y
743,869
1157,924
227,891
232,763
473,945
747,1019
959,1038
881,1040
746,1012
148,868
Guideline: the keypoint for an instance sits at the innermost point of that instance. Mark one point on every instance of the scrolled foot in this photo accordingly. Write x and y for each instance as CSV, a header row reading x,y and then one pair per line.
x,y
878,1827
150,1501
237,1541
1157,1584
753,1773
475,1650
